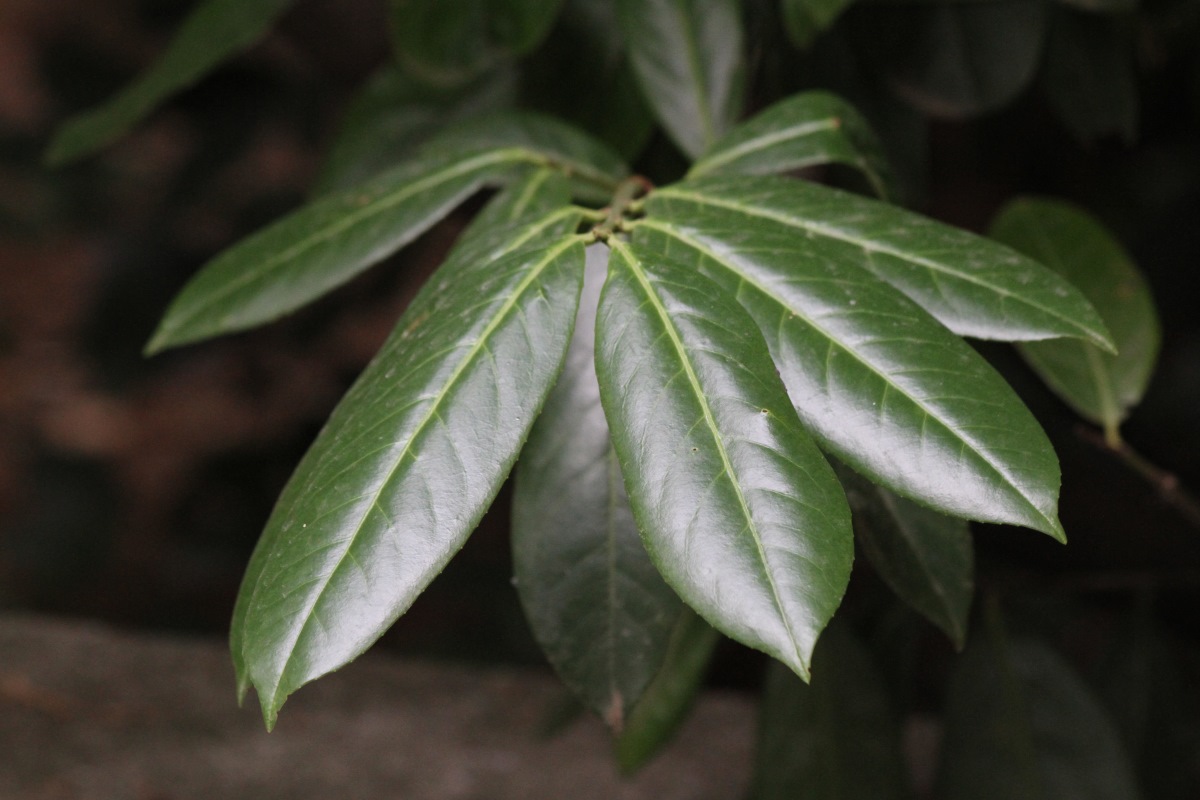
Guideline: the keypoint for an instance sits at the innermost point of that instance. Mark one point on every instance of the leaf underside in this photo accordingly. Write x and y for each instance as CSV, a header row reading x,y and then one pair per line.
x,y
594,600
412,456
740,512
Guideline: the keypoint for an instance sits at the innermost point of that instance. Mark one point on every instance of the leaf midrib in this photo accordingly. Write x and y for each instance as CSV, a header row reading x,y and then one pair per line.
x,y
266,266
432,413
762,142
869,246
969,441
711,423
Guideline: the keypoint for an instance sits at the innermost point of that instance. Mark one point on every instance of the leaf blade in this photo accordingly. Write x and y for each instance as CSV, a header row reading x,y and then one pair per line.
x,y
971,287
597,606
877,381
713,464
1101,387
212,32
687,55
330,575
804,130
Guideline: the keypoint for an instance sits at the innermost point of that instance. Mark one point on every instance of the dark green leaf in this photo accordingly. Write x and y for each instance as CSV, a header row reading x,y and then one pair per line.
x,y
313,250
522,24
1089,75
804,20
1020,723
411,457
669,697
801,131
1102,387
973,286
394,114
581,75
955,59
214,31
740,512
687,54
836,739
595,602
594,168
925,557
883,387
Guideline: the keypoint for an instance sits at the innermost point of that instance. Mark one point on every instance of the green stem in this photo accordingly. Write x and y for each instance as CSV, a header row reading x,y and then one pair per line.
x,y
626,196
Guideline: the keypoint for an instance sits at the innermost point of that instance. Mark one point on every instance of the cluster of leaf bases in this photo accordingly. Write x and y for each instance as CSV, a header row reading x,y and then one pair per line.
x,y
673,366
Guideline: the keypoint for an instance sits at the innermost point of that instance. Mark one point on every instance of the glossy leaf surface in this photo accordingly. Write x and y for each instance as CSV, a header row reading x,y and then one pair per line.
x,y
881,385
394,114
801,131
740,512
805,20
311,251
955,59
972,286
594,600
687,55
214,31
835,739
411,457
594,168
1101,386
926,558
669,697
1020,723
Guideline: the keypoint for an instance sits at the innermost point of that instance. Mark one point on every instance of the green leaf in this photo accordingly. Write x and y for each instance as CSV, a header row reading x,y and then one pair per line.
x,y
214,31
687,54
584,57
594,168
596,604
879,382
669,697
1101,386
411,457
394,114
1020,723
953,59
1090,77
801,131
925,557
973,286
804,20
451,43
836,739
311,251
740,512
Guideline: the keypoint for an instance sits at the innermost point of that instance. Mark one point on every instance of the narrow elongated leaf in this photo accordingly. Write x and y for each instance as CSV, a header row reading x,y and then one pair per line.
x,y
214,31
1102,387
596,604
804,20
836,739
409,460
323,245
394,114
687,55
801,131
925,557
880,384
594,167
953,59
1020,723
669,697
971,285
740,512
